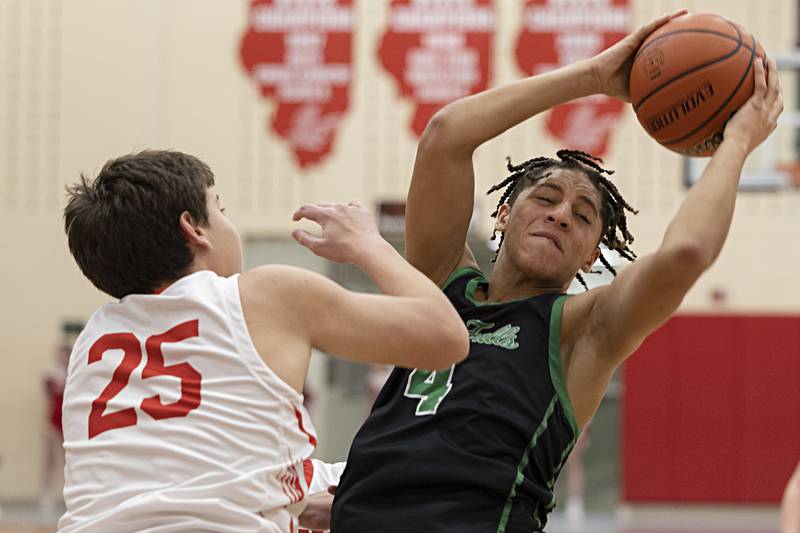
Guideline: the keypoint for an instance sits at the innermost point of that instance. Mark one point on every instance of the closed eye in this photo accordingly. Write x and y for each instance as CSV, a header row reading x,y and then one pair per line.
x,y
545,199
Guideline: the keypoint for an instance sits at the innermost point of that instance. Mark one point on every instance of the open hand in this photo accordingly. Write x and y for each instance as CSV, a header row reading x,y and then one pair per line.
x,y
758,117
348,231
611,68
317,514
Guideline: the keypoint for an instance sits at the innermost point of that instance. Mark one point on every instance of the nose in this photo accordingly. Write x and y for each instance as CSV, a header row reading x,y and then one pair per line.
x,y
560,214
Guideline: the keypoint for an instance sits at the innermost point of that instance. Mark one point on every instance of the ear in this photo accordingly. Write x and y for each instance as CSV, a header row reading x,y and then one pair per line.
x,y
501,221
193,232
587,266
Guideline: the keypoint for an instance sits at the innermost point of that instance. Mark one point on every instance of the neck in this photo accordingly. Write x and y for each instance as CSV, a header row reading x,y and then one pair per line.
x,y
509,283
196,266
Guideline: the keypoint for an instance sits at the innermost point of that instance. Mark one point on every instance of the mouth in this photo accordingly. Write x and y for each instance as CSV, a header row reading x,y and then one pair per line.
x,y
550,237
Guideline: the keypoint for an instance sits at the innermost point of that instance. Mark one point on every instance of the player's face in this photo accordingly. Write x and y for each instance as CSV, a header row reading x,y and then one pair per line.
x,y
554,228
225,256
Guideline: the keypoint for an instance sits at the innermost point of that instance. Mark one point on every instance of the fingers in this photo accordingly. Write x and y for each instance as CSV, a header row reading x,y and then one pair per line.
x,y
315,212
776,106
773,83
760,78
307,239
321,210
647,29
776,109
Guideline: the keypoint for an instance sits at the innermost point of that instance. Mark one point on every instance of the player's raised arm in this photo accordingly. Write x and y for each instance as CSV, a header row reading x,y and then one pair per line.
x,y
646,293
411,324
441,196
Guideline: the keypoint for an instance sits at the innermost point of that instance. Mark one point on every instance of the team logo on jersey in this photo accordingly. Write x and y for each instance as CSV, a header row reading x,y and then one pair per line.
x,y
505,337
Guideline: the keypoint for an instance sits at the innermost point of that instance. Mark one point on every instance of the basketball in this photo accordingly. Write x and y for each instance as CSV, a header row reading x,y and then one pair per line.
x,y
689,77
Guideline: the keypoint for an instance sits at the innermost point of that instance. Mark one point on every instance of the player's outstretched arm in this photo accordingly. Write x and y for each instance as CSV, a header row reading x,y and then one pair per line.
x,y
647,292
441,196
411,324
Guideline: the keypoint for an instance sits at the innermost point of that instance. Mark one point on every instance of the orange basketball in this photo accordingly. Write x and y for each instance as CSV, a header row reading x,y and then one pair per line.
x,y
689,77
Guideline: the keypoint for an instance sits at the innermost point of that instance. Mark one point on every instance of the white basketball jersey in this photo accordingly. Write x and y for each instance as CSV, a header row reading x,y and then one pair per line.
x,y
173,422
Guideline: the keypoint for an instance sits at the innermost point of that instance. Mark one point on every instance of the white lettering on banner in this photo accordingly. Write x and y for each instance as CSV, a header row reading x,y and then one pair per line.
x,y
310,129
302,85
320,15
560,32
570,16
445,66
452,15
585,128
591,18
443,69
299,52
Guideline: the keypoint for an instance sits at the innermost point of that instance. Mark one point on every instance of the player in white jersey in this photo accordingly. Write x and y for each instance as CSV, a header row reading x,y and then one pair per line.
x,y
183,405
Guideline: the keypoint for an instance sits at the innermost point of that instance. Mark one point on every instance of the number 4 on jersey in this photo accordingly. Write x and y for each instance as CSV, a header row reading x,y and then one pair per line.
x,y
430,386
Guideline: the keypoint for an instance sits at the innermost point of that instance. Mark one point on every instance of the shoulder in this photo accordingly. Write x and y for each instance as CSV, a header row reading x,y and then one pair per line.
x,y
287,287
279,278
440,276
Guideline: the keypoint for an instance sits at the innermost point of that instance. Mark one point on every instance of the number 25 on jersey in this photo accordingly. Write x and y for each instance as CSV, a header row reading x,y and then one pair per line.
x,y
132,355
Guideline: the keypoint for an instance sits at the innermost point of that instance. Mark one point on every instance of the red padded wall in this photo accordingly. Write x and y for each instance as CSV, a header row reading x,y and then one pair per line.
x,y
711,410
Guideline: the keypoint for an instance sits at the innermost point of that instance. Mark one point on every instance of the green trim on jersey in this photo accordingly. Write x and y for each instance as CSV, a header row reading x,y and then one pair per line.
x,y
523,464
551,483
469,293
556,372
457,273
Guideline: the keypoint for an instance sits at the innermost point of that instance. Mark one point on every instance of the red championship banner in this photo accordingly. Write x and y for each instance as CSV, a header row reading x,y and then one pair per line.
x,y
299,52
438,51
559,32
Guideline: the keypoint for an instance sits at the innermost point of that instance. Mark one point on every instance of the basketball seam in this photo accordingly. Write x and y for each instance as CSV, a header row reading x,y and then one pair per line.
x,y
722,106
704,65
698,30
694,30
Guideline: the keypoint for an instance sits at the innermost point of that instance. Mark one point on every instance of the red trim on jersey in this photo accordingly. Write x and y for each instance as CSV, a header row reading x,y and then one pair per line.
x,y
297,486
290,484
299,417
308,470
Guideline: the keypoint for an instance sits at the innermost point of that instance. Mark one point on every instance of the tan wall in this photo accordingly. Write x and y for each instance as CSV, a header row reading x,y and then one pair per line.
x,y
84,80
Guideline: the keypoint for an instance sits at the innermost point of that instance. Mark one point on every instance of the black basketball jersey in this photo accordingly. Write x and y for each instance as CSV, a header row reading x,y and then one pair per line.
x,y
475,447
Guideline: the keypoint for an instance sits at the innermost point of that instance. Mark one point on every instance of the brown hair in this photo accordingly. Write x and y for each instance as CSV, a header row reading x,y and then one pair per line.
x,y
122,227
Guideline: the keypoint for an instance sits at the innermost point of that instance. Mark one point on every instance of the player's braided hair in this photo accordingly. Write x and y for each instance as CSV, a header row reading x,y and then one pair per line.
x,y
615,234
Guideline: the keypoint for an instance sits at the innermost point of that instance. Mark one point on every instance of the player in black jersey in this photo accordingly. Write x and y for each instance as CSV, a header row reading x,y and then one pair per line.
x,y
477,447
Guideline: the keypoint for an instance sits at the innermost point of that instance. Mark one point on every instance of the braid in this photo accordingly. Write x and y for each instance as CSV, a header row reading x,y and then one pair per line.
x,y
499,244
607,264
584,158
614,234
